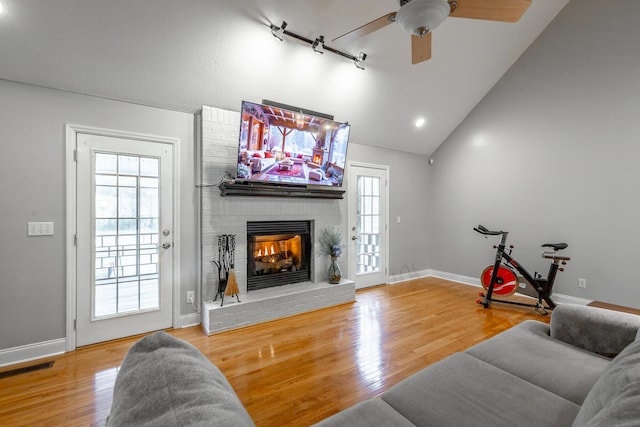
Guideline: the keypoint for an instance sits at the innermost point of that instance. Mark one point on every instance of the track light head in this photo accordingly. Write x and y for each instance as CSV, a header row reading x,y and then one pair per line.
x,y
359,61
278,32
318,45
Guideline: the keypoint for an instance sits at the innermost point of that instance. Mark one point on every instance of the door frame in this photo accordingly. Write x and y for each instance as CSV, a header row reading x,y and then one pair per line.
x,y
353,268
71,131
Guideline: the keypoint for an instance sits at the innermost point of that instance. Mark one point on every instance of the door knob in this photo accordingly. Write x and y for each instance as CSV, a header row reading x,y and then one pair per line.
x,y
354,237
166,245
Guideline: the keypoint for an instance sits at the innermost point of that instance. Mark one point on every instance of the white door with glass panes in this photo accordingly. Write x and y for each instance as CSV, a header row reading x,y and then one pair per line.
x,y
124,237
368,228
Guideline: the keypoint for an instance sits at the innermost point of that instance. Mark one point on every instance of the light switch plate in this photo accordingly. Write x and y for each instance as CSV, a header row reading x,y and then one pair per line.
x,y
40,229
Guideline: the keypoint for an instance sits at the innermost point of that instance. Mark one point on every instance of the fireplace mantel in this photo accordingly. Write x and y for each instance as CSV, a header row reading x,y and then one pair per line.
x,y
274,190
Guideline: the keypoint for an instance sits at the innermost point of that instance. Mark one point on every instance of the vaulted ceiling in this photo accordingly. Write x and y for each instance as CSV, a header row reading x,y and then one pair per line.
x,y
180,55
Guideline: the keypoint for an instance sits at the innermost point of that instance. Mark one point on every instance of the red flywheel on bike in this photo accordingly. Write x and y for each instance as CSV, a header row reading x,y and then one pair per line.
x,y
506,280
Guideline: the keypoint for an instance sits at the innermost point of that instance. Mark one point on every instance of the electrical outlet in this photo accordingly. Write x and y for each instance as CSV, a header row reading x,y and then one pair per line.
x,y
582,283
190,297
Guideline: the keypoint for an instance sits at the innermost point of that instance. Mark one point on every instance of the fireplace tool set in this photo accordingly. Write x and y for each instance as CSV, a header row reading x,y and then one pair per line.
x,y
227,283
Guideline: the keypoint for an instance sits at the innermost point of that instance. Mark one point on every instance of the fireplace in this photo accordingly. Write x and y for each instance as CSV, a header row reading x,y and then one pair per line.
x,y
278,253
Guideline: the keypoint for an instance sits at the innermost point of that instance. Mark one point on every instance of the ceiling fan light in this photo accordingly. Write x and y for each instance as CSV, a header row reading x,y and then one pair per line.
x,y
418,17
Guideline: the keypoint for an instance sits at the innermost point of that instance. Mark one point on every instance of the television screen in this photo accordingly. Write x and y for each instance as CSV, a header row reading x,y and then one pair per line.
x,y
281,146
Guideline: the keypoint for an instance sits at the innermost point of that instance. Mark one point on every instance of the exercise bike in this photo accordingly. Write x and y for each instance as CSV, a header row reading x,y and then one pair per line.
x,y
501,279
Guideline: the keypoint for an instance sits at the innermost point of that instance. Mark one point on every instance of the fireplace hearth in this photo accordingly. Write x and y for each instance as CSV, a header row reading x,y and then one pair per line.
x,y
278,253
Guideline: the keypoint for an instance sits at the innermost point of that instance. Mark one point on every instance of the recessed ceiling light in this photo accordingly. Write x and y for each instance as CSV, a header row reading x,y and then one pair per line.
x,y
479,140
420,122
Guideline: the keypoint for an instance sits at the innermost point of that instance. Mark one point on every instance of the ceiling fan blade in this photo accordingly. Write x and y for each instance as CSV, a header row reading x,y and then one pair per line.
x,y
420,48
368,28
492,10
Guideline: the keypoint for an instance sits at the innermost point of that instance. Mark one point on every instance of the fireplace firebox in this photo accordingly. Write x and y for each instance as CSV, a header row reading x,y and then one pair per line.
x,y
278,253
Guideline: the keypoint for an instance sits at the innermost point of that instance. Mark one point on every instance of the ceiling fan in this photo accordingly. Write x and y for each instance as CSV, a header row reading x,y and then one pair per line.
x,y
421,17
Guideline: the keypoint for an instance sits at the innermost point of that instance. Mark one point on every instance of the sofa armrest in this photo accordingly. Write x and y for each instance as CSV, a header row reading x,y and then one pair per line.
x,y
165,381
594,329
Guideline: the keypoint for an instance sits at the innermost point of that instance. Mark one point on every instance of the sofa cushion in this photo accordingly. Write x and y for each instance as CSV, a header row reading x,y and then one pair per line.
x,y
166,381
527,351
464,391
615,398
374,412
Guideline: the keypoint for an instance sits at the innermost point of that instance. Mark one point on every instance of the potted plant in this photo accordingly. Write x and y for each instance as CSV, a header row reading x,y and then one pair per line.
x,y
330,243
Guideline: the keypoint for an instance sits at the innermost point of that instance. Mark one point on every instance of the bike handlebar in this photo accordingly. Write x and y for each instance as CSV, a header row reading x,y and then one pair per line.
x,y
484,230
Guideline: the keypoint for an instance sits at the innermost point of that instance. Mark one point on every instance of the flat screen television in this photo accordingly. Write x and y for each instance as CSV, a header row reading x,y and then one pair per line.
x,y
283,146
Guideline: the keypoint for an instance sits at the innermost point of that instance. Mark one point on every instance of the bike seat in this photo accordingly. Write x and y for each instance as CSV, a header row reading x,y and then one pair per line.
x,y
555,246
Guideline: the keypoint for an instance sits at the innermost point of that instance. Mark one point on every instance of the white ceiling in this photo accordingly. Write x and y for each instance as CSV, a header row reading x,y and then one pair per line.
x,y
180,55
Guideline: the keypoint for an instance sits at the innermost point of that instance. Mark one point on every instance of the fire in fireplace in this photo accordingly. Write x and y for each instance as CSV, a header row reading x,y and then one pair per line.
x,y
318,156
278,252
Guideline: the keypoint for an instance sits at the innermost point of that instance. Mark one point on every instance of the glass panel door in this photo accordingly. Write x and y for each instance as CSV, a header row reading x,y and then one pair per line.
x,y
368,224
126,234
124,256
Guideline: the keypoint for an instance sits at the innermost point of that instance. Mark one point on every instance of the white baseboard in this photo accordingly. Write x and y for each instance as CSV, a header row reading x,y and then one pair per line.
x,y
29,352
434,273
471,281
408,276
474,281
187,320
25,353
568,299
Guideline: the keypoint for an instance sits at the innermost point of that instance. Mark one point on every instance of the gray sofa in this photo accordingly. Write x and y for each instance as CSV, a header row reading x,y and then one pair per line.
x,y
533,374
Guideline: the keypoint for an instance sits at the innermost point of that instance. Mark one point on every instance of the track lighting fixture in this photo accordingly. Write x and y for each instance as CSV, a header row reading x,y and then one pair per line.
x,y
317,44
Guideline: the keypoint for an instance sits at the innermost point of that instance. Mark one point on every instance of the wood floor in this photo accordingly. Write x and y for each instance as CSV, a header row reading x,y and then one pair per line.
x,y
293,371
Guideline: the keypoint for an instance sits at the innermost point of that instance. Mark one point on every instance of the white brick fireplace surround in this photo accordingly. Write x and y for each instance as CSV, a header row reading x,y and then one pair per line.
x,y
229,215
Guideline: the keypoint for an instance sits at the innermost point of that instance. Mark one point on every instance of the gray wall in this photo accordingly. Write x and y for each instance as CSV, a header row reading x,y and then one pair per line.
x,y
32,172
551,154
